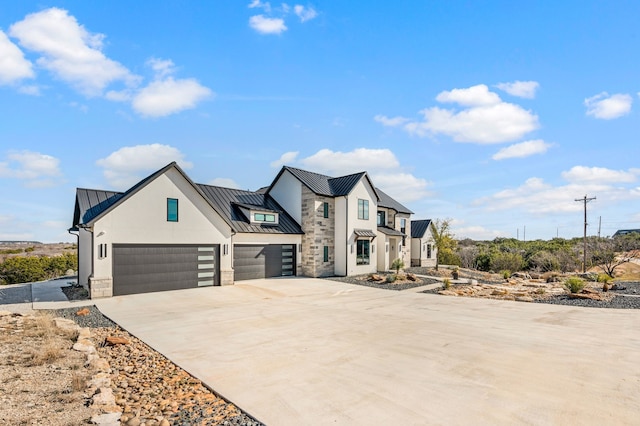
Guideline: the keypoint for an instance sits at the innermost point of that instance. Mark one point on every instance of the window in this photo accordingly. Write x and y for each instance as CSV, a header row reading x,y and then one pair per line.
x,y
362,252
325,207
381,219
428,251
265,217
102,251
172,210
326,253
363,209
403,226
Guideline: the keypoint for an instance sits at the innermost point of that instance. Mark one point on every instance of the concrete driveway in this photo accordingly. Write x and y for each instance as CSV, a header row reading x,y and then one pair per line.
x,y
308,351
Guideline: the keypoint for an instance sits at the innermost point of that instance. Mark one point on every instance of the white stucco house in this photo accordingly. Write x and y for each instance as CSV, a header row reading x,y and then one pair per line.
x,y
167,232
423,246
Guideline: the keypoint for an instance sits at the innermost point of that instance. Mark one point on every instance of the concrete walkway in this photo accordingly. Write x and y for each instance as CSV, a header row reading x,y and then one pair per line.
x,y
24,298
306,351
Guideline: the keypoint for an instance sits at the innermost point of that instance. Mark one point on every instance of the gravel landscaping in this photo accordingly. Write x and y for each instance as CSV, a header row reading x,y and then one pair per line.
x,y
619,300
397,285
147,386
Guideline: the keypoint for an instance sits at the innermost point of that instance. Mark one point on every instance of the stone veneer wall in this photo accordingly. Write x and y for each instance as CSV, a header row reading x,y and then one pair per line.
x,y
100,287
318,232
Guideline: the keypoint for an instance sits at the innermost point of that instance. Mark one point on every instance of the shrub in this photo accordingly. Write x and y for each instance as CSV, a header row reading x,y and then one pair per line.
x,y
574,284
604,278
446,284
505,274
391,278
397,265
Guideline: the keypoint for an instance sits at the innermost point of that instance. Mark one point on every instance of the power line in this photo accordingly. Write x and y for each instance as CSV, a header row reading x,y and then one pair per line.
x,y
585,200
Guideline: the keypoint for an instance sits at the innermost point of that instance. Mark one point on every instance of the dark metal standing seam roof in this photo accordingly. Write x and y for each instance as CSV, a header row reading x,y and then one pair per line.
x,y
390,231
388,202
91,202
327,185
419,227
364,233
228,200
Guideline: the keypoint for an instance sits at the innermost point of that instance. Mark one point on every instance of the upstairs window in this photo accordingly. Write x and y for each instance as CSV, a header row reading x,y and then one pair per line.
x,y
363,209
403,226
381,219
172,209
325,210
265,217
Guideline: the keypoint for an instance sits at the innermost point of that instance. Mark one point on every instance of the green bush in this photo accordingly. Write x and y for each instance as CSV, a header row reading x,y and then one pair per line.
x,y
574,284
391,278
35,268
397,264
604,278
446,283
506,274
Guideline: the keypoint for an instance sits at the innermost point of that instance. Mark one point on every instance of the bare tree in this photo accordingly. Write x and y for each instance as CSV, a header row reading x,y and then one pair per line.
x,y
611,253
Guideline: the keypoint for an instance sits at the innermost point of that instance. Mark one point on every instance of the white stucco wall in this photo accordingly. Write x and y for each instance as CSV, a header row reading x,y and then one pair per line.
x,y
362,191
341,234
85,256
143,219
287,191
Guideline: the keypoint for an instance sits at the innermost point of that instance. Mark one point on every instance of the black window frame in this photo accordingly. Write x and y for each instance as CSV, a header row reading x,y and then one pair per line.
x,y
363,252
383,215
325,208
170,212
326,253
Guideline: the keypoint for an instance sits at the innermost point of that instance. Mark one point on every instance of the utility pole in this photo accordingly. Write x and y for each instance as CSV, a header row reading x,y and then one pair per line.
x,y
599,225
585,200
524,234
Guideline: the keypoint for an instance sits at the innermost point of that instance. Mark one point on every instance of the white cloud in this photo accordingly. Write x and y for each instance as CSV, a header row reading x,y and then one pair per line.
x,y
538,197
162,67
266,6
522,149
30,89
304,13
225,183
381,164
484,118
472,96
582,174
337,163
164,97
608,107
13,66
69,51
390,121
126,166
35,169
522,89
478,233
286,158
265,25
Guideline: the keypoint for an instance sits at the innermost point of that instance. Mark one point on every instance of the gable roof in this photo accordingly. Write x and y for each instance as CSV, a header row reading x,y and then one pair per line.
x,y
626,232
92,204
419,227
326,185
389,203
229,200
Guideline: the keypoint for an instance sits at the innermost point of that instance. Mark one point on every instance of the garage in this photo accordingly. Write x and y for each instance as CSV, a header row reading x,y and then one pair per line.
x,y
253,261
142,268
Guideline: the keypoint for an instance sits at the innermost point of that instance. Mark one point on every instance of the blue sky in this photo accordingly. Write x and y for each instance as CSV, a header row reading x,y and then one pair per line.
x,y
496,114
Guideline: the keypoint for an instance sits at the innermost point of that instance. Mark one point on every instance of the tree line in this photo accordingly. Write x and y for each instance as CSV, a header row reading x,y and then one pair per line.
x,y
557,254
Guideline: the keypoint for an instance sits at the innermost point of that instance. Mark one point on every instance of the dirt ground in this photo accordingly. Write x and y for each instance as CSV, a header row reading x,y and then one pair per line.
x,y
42,379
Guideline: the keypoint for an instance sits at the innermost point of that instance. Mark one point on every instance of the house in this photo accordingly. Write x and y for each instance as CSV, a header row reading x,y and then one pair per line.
x,y
423,249
621,232
168,233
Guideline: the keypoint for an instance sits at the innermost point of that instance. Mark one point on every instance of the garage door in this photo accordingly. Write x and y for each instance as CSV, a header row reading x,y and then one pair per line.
x,y
263,261
143,268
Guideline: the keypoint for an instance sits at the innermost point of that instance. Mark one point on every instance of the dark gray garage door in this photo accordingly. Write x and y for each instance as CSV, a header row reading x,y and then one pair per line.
x,y
143,268
263,261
